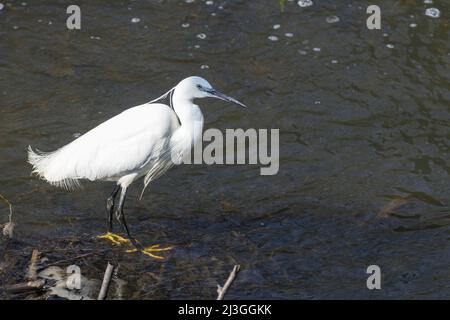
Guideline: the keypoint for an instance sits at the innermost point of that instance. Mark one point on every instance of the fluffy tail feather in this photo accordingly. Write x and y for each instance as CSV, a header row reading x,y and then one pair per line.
x,y
41,162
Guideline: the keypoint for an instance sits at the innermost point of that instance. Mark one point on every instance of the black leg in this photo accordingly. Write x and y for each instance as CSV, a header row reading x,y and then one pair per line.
x,y
121,218
110,207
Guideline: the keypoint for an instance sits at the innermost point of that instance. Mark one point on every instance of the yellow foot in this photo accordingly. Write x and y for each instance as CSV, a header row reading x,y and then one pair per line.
x,y
149,251
114,238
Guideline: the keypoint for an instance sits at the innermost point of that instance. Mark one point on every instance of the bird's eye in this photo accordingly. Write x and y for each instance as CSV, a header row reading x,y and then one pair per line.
x,y
199,86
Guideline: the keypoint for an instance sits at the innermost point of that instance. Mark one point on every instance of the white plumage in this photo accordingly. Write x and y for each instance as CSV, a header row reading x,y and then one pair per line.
x,y
144,140
118,147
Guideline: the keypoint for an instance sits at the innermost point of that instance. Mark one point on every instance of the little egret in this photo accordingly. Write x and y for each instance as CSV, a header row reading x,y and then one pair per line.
x,y
143,141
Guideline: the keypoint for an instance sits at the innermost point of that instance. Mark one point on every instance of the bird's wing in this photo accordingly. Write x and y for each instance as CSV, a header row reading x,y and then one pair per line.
x,y
169,155
121,145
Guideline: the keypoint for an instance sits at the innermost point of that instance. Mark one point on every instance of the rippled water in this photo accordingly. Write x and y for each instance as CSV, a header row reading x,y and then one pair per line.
x,y
364,122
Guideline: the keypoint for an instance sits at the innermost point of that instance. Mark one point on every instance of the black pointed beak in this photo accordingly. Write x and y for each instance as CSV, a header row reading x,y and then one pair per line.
x,y
224,97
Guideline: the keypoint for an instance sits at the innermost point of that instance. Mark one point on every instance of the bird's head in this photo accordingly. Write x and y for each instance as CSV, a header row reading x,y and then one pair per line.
x,y
197,87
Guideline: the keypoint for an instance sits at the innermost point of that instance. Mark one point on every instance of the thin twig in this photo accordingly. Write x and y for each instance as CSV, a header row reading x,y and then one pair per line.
x,y
69,259
32,269
106,281
8,228
36,285
222,290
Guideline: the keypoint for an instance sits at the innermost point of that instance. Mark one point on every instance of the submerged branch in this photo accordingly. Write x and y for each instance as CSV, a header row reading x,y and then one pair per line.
x,y
106,281
222,290
8,228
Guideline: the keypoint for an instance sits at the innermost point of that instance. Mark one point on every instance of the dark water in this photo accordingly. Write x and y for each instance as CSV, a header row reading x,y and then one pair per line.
x,y
364,145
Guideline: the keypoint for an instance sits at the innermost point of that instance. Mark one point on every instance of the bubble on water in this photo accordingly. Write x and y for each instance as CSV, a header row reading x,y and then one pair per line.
x,y
433,12
316,49
204,66
413,25
189,1
332,19
317,102
302,52
135,20
428,1
24,4
2,6
209,3
289,34
220,7
390,46
185,25
385,35
95,38
15,27
334,61
305,3
197,46
76,134
213,14
276,26
272,38
201,36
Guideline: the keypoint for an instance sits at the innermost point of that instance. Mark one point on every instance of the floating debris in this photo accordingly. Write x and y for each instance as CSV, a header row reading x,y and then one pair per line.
x,y
334,61
390,46
201,36
316,49
209,3
204,66
289,34
272,38
413,25
332,19
276,26
433,12
390,207
428,1
135,20
197,46
305,3
185,25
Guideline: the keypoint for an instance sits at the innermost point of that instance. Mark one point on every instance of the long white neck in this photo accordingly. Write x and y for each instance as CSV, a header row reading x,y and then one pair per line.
x,y
190,116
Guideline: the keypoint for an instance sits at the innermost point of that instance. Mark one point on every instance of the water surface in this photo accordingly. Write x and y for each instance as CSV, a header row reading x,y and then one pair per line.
x,y
364,123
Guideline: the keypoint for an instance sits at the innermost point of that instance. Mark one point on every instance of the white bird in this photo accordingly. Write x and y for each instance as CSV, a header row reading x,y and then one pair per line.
x,y
145,140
